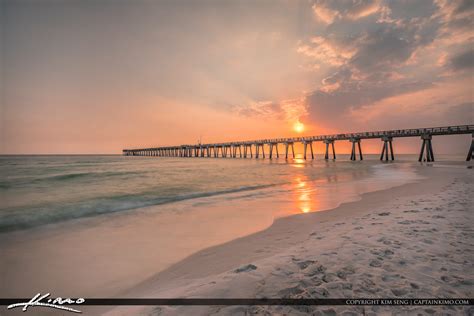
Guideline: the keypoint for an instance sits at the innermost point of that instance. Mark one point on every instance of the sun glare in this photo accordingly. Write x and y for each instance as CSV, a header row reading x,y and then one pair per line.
x,y
298,127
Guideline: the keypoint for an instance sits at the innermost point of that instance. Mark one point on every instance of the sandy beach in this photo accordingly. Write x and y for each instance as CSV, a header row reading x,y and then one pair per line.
x,y
131,246
412,241
278,152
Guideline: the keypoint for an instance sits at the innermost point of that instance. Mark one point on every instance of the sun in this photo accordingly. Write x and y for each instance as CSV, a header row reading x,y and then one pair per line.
x,y
298,127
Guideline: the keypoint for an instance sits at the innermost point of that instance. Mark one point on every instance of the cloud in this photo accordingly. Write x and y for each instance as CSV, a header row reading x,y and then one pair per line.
x,y
387,46
327,50
323,13
457,20
363,53
463,61
326,106
390,53
328,12
463,112
360,9
290,110
266,109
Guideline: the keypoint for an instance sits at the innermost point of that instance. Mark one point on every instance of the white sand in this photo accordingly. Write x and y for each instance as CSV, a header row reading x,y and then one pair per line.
x,y
102,256
411,241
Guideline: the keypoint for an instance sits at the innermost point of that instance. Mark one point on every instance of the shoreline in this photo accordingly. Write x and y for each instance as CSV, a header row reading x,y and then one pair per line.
x,y
155,238
220,262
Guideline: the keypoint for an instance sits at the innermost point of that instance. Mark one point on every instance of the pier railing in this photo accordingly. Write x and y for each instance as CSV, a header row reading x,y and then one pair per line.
x,y
244,148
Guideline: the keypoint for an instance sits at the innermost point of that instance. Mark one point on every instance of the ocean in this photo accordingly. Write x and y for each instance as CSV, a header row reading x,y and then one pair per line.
x,y
38,190
115,221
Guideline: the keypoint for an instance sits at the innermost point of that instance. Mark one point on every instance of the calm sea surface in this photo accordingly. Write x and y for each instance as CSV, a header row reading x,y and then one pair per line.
x,y
37,190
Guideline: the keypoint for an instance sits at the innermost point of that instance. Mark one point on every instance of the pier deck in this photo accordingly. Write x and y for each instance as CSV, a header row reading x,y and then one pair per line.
x,y
243,149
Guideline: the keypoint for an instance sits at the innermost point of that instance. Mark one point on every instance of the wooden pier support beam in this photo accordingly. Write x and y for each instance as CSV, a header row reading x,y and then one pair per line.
x,y
326,155
287,145
305,144
354,149
470,154
271,146
258,147
426,153
249,148
387,148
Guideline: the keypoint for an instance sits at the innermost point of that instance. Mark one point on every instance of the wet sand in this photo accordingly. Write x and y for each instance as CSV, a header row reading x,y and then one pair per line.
x,y
105,255
411,241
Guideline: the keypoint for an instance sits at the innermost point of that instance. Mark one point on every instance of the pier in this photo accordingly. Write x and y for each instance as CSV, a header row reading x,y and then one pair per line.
x,y
256,148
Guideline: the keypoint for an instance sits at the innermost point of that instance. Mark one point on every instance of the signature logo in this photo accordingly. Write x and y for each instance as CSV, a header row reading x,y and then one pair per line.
x,y
45,301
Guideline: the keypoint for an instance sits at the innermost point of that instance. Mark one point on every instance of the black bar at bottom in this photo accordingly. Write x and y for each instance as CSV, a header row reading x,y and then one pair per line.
x,y
256,301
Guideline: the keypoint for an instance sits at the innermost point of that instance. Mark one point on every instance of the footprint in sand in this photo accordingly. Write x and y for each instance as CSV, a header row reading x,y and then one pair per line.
x,y
320,292
400,292
390,277
342,274
291,292
329,277
316,269
304,264
384,240
246,268
368,285
375,263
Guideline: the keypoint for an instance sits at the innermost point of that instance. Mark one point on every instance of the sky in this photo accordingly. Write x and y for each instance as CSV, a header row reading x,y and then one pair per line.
x,y
96,76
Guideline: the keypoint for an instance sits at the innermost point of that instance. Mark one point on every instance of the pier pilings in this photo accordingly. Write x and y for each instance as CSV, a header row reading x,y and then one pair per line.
x,y
355,141
426,153
386,148
305,145
230,149
470,154
329,142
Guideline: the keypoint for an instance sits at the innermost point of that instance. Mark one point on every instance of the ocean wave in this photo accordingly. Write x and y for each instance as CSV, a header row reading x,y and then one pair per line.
x,y
21,181
95,175
15,219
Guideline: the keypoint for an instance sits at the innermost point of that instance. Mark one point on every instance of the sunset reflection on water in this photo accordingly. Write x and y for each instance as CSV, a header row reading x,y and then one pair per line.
x,y
305,199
